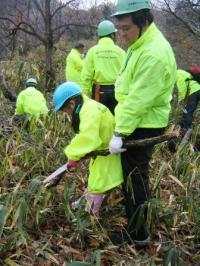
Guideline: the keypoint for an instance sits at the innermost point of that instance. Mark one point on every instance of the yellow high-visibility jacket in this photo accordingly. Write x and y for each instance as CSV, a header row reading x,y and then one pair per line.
x,y
95,130
101,64
31,102
74,65
145,84
183,84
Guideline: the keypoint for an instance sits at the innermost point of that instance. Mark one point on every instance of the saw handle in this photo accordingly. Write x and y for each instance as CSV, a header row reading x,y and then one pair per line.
x,y
55,182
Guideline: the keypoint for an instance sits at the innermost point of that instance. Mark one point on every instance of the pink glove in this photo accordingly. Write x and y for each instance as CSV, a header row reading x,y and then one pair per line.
x,y
94,202
71,165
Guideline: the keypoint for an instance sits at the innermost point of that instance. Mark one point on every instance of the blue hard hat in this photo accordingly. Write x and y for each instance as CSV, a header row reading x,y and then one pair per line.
x,y
31,81
64,92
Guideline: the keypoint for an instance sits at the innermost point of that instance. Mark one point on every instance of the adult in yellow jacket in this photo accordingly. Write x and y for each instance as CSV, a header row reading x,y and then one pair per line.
x,y
101,66
74,63
189,93
31,101
93,124
143,92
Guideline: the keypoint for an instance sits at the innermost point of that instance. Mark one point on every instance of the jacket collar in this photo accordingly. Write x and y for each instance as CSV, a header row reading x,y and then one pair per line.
x,y
105,40
75,51
85,98
151,31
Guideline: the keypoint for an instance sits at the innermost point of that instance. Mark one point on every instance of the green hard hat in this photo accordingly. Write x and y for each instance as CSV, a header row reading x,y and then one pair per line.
x,y
106,27
129,6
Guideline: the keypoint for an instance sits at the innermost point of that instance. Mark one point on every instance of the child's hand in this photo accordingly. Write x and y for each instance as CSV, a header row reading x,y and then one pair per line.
x,y
72,165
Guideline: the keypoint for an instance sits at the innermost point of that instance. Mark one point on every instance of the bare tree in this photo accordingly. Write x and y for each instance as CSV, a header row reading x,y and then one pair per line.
x,y
43,20
186,11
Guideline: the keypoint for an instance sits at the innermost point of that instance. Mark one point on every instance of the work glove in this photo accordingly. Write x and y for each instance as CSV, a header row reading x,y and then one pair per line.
x,y
115,145
72,165
93,202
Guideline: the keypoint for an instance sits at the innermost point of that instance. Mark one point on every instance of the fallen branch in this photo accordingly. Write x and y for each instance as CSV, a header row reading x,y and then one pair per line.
x,y
137,143
58,174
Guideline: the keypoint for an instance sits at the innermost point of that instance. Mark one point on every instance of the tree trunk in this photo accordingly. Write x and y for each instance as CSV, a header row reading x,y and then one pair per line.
x,y
50,74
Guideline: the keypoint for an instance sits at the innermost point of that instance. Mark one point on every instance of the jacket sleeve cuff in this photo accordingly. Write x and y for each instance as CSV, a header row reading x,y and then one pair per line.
x,y
117,134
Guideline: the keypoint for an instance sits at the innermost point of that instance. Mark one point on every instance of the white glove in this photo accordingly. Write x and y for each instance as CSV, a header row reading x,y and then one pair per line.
x,y
115,145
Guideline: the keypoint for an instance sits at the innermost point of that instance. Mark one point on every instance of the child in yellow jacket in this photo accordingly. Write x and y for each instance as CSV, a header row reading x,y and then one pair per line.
x,y
93,124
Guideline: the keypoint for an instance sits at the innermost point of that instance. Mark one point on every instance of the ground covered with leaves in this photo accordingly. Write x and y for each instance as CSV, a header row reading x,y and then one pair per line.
x,y
39,226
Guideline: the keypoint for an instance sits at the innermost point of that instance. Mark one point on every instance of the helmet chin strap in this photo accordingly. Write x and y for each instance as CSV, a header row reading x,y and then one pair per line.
x,y
140,32
77,110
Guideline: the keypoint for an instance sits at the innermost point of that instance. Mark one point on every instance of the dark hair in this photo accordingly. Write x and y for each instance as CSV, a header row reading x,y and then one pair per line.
x,y
31,84
139,17
79,45
75,115
111,35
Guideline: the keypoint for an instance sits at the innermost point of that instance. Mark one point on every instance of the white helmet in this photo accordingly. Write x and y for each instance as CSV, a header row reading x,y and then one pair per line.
x,y
31,82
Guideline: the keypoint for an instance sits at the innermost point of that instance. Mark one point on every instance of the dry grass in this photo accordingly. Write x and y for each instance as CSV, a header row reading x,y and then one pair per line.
x,y
39,227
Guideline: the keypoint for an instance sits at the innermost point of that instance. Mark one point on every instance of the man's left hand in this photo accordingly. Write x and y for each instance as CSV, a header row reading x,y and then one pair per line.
x,y
115,145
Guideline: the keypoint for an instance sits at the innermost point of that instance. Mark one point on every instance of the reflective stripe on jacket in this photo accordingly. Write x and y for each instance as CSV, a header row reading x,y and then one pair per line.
x,y
182,84
31,102
74,65
102,64
145,84
95,131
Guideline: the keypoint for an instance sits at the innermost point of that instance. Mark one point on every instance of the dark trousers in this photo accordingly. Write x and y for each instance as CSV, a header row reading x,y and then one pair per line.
x,y
107,96
193,101
135,164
